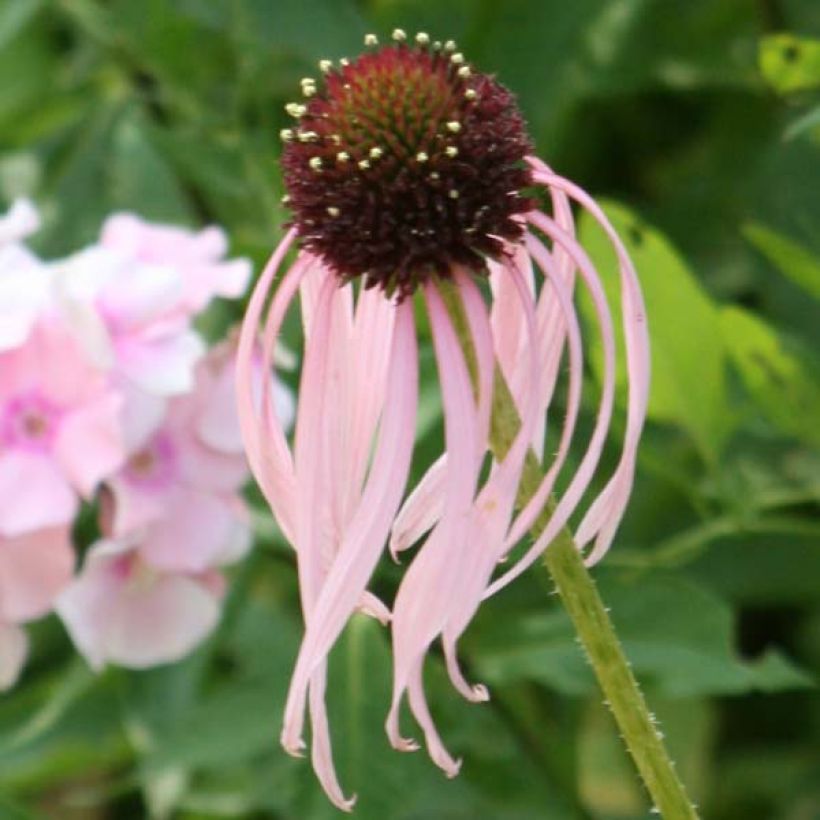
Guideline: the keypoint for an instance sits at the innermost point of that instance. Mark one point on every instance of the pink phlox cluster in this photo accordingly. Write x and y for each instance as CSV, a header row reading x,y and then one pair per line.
x,y
109,394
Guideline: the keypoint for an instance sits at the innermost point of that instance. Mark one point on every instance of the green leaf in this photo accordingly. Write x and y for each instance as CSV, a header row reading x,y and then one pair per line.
x,y
782,388
139,177
678,636
808,122
790,63
688,355
14,16
789,257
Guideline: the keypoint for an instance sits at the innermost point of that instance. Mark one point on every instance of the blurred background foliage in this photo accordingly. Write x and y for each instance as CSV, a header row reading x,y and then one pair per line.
x,y
698,121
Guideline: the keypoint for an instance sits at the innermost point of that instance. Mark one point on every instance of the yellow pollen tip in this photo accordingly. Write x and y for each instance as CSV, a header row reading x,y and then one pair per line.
x,y
453,194
423,39
316,163
457,58
421,157
286,134
454,126
344,61
342,156
450,45
364,164
451,151
325,66
375,153
295,110
333,211
471,94
399,35
371,40
464,72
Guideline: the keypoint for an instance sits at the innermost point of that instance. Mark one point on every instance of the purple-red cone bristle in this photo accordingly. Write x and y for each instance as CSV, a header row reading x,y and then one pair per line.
x,y
404,164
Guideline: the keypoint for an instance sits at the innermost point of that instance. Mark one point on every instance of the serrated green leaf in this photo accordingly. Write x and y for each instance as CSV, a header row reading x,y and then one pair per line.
x,y
790,62
688,355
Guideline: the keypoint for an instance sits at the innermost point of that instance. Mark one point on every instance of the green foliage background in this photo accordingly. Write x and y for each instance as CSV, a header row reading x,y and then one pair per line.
x,y
698,122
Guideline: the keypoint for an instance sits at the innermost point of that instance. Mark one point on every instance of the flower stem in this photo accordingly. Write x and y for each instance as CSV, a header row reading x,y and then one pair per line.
x,y
580,597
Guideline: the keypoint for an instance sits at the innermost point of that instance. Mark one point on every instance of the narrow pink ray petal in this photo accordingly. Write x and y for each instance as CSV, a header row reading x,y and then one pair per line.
x,y
375,317
569,318
321,750
606,511
421,509
426,592
583,476
268,454
272,430
418,703
309,463
481,333
367,532
490,515
372,606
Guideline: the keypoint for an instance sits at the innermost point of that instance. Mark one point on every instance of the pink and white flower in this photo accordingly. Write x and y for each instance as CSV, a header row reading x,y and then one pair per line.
x,y
178,490
59,430
197,256
401,203
24,281
34,569
123,611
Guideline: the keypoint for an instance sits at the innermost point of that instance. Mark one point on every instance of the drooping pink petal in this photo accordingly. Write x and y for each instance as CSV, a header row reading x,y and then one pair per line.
x,y
606,511
425,594
34,568
265,444
562,296
583,476
13,654
421,509
365,537
490,515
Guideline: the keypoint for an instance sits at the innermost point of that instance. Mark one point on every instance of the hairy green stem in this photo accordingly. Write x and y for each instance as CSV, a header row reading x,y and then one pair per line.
x,y
583,604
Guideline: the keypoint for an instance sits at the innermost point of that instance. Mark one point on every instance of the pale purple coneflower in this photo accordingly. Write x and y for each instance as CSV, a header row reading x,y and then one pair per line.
x,y
406,168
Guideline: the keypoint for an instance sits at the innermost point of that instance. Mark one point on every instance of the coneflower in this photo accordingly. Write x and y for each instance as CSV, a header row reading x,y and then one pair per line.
x,y
408,173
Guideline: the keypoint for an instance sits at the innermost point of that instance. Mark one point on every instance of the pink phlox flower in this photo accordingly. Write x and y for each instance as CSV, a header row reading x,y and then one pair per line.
x,y
60,432
198,257
397,221
34,568
123,611
179,488
125,312
24,283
